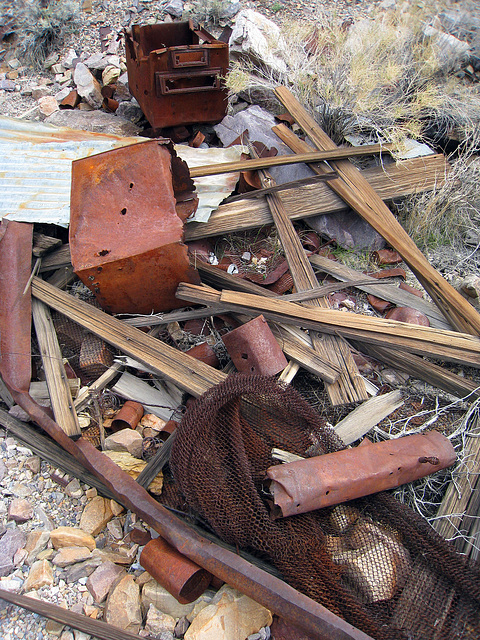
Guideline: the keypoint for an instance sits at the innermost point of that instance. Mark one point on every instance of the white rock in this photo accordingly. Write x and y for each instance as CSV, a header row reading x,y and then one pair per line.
x,y
87,86
257,37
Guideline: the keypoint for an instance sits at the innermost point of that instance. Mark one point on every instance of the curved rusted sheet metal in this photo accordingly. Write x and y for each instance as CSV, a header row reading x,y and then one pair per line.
x,y
322,481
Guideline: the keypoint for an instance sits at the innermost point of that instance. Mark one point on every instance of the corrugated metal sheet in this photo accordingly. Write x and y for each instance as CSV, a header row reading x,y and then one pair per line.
x,y
36,161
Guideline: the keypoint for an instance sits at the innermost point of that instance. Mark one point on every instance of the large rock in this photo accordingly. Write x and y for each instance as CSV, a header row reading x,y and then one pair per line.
x,y
158,622
134,466
259,39
11,541
101,580
348,229
156,595
40,575
123,605
88,86
71,537
95,121
82,569
230,616
20,510
96,515
259,123
71,555
125,440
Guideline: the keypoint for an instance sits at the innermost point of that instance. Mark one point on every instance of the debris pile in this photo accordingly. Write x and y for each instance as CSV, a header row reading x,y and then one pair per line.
x,y
179,325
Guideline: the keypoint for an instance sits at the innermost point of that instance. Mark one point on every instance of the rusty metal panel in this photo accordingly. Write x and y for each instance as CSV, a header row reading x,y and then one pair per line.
x,y
125,234
323,481
177,80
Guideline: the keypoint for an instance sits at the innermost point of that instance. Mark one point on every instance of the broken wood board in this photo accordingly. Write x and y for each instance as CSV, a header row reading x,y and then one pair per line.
x,y
362,419
435,343
189,374
55,374
278,161
459,511
87,393
154,400
56,259
349,386
355,190
422,369
382,290
389,181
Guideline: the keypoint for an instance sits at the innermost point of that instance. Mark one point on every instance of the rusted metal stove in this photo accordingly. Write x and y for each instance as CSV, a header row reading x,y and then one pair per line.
x,y
175,79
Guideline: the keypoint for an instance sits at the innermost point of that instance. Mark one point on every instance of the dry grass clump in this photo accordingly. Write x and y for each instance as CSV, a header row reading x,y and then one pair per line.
x,y
381,75
43,27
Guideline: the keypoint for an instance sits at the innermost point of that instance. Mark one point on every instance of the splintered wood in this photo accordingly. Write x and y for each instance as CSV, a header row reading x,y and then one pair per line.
x,y
352,187
349,386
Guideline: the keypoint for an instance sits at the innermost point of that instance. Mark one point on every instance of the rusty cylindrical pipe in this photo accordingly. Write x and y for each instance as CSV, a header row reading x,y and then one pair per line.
x,y
323,481
128,417
181,577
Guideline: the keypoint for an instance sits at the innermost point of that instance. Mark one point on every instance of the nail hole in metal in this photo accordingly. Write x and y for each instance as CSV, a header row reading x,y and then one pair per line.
x,y
244,356
123,211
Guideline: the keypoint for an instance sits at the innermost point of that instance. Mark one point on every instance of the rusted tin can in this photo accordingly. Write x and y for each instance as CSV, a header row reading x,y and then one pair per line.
x,y
204,353
181,577
254,349
167,430
128,417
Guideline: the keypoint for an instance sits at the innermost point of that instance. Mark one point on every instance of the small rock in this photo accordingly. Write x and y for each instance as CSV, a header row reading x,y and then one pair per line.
x,y
96,515
91,493
175,8
67,635
71,537
3,470
82,570
123,605
154,593
71,555
40,575
20,510
11,541
101,580
7,85
36,542
110,74
46,554
130,110
21,490
116,508
115,529
125,440
54,627
33,464
181,627
231,616
11,75
97,62
158,622
69,59
57,68
51,60
73,488
87,86
10,584
111,556
48,105
13,63
20,557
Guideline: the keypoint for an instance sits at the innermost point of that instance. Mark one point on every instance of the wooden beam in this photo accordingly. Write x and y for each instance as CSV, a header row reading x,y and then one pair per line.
x,y
435,343
349,385
55,374
279,161
87,393
189,374
356,192
382,290
422,370
390,181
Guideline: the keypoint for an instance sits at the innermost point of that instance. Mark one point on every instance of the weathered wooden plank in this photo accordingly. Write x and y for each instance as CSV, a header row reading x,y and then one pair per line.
x,y
435,343
389,181
357,192
278,161
382,290
189,374
55,374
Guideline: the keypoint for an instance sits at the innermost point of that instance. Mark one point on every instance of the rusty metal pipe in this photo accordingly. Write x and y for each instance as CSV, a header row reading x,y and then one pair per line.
x,y
181,577
128,417
333,478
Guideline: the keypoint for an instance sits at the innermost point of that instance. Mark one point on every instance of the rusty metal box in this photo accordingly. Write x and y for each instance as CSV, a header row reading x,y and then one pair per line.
x,y
175,79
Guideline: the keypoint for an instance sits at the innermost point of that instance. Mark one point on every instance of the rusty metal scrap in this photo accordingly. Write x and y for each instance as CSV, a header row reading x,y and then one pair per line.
x,y
126,232
177,80
181,577
323,481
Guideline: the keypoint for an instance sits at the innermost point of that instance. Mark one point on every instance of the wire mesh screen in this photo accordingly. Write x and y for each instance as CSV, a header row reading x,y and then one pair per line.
x,y
372,561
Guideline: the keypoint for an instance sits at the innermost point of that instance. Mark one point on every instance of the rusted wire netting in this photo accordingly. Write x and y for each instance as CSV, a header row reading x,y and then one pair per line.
x,y
373,561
